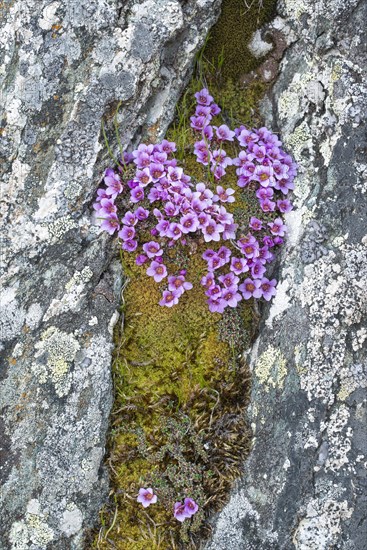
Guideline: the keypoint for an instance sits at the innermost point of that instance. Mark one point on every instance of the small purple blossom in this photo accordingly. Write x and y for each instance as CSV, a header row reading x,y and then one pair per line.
x,y
238,266
190,506
189,223
212,231
203,97
141,259
208,280
130,245
216,306
152,249
180,512
277,227
257,269
229,280
127,232
268,288
129,218
169,298
137,194
141,213
231,296
178,284
267,206
107,207
255,224
110,224
284,205
250,288
224,195
224,133
146,497
198,122
157,271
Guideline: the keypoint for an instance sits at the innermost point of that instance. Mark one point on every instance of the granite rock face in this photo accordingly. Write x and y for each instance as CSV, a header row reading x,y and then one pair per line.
x,y
304,484
64,65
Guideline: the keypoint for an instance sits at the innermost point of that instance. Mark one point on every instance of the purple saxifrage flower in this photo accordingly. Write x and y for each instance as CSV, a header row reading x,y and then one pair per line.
x,y
277,227
238,266
224,133
190,506
255,224
178,284
179,512
169,298
110,224
157,271
268,288
152,249
224,195
137,194
127,232
141,259
231,296
284,205
203,97
130,245
146,497
250,288
212,231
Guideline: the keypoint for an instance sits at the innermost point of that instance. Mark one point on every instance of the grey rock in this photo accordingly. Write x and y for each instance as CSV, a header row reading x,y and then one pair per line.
x,y
63,66
304,484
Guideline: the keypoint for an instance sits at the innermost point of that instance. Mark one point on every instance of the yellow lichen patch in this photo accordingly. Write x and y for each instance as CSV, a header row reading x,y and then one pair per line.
x,y
271,369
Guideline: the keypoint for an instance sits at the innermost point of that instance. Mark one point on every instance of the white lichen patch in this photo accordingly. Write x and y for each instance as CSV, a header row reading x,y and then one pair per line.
x,y
271,369
322,525
33,530
295,8
330,316
257,46
229,522
280,302
339,436
12,315
60,226
55,353
34,315
72,520
75,290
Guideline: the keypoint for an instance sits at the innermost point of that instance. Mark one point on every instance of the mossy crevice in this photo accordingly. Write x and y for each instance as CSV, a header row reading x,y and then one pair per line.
x,y
180,385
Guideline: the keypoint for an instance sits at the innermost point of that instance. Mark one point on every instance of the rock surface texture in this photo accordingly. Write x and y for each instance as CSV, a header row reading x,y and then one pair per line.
x,y
304,484
63,66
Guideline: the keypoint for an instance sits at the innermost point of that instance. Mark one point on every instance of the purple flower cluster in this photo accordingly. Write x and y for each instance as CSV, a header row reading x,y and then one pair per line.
x,y
105,204
162,200
185,510
263,164
181,511
209,150
223,287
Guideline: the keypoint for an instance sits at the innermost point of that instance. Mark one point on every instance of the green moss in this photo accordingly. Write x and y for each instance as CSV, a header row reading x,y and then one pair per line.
x,y
233,31
181,389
